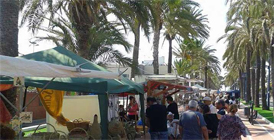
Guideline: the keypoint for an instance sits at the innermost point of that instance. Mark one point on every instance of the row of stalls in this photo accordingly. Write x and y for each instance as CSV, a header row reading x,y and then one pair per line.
x,y
62,70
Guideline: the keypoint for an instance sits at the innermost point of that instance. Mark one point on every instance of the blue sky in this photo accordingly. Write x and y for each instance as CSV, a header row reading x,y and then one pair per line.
x,y
215,9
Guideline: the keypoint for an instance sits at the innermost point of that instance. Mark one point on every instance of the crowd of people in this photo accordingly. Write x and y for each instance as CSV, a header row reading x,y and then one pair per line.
x,y
201,120
208,119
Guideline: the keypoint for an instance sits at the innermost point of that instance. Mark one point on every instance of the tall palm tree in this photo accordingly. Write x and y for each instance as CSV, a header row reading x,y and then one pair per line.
x,y
178,17
9,12
84,15
103,36
139,19
201,57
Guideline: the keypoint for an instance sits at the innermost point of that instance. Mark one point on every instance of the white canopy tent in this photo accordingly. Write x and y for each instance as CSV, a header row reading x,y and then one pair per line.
x,y
18,67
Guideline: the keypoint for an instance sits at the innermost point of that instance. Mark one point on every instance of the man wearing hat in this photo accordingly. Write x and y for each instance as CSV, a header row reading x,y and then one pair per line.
x,y
207,101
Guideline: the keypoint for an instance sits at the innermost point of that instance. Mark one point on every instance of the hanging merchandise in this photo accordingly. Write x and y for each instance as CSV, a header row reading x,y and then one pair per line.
x,y
95,129
4,87
15,124
52,101
113,107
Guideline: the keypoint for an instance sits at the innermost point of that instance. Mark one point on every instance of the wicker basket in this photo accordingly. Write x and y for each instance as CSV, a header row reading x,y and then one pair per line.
x,y
79,133
78,123
45,135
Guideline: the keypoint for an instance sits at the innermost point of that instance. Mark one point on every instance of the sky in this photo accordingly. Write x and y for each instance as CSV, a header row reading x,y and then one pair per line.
x,y
214,9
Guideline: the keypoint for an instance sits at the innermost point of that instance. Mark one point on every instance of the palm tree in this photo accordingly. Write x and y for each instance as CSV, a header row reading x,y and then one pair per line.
x,y
139,19
178,17
103,36
9,12
84,14
201,58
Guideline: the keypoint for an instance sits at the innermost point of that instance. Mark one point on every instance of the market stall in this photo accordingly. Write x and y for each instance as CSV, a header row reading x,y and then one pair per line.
x,y
99,86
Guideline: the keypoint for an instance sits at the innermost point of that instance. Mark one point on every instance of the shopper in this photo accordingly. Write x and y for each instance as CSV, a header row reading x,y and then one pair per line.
x,y
207,101
172,126
212,122
172,107
133,109
231,126
192,123
220,105
156,119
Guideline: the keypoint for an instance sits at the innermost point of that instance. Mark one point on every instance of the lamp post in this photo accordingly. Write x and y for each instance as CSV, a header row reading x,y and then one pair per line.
x,y
268,88
244,77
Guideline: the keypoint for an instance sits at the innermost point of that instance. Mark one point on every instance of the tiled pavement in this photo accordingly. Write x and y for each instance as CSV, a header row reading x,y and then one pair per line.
x,y
259,131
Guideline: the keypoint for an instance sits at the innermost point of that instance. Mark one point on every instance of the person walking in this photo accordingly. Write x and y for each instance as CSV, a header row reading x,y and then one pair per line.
x,y
220,105
132,109
192,123
212,121
207,101
156,119
231,126
172,107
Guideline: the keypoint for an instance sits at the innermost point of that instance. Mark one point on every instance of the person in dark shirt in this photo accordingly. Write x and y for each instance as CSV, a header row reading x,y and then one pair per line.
x,y
172,107
156,119
212,121
220,104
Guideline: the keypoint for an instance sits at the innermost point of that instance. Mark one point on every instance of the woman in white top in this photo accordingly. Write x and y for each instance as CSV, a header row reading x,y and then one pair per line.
x,y
172,126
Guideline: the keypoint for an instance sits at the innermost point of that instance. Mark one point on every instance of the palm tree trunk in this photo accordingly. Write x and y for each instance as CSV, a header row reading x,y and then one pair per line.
x,y
9,11
258,74
169,56
206,82
156,40
241,83
248,90
272,69
135,57
264,106
253,84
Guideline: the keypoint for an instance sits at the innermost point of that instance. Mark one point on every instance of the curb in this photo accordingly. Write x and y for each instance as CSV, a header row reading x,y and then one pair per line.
x,y
266,120
263,118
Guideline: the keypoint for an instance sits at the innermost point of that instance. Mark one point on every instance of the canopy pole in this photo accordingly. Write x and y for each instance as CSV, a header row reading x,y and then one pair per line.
x,y
103,106
8,101
142,102
25,97
38,94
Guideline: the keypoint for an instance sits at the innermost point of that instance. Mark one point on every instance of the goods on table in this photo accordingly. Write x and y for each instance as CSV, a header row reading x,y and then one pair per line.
x,y
78,123
95,129
116,128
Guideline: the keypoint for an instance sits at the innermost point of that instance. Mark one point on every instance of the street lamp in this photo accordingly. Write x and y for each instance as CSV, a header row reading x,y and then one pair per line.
x,y
268,88
244,77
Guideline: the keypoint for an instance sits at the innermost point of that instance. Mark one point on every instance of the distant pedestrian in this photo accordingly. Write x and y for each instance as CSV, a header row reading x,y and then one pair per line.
x,y
231,126
212,121
172,107
207,101
156,119
192,123
133,109
220,105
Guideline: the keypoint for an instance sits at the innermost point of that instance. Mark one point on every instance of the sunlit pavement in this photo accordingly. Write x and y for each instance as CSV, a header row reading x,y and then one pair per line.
x,y
259,131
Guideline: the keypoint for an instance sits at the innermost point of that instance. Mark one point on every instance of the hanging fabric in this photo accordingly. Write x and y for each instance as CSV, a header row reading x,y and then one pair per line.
x,y
52,101
5,115
4,87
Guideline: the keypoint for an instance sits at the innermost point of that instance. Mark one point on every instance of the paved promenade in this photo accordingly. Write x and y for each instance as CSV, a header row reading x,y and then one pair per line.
x,y
259,131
